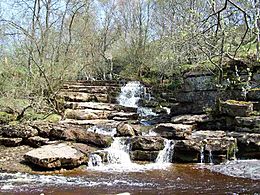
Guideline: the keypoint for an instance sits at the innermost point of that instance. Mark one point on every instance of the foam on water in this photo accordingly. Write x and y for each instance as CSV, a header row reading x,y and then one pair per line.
x,y
23,182
239,168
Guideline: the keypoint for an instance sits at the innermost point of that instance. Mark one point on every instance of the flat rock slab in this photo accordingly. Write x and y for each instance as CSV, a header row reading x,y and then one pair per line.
x,y
190,119
87,114
81,135
173,131
100,122
90,105
37,141
125,115
83,97
55,156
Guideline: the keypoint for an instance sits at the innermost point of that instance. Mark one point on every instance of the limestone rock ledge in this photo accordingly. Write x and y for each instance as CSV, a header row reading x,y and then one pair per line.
x,y
55,156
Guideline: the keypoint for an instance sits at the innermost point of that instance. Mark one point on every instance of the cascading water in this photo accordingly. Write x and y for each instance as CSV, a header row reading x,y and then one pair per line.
x,y
118,152
95,160
130,94
102,130
165,155
202,150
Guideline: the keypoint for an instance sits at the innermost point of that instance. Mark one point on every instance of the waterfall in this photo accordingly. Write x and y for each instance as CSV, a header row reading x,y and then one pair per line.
x,y
210,157
165,155
95,160
131,94
202,150
118,152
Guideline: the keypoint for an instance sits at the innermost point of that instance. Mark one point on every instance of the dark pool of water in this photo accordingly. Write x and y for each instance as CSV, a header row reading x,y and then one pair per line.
x,y
177,179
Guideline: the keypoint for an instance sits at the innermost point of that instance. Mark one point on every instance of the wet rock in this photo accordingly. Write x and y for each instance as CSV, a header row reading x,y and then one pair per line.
x,y
190,119
79,134
124,115
85,149
37,141
187,151
22,131
248,144
87,114
10,142
173,131
147,143
124,129
55,156
236,108
140,155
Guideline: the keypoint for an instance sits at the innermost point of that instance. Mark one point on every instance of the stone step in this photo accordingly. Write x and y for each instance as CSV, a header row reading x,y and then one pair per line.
x,y
101,122
84,97
98,106
93,83
90,105
90,89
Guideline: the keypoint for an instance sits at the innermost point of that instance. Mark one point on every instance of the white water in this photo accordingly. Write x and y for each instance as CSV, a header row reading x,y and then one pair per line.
x,y
131,94
118,158
102,130
165,155
95,160
202,150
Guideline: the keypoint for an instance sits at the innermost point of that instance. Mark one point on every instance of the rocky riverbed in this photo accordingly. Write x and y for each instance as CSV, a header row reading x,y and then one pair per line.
x,y
99,130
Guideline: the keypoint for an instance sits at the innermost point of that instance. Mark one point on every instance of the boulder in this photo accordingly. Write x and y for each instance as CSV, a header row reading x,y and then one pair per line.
x,y
79,134
55,156
173,131
190,119
43,128
10,142
147,143
124,129
22,131
236,108
140,155
37,141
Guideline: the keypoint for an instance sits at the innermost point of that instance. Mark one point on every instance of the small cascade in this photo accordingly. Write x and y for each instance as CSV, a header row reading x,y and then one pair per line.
x,y
202,154
165,155
210,157
118,152
131,94
95,160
